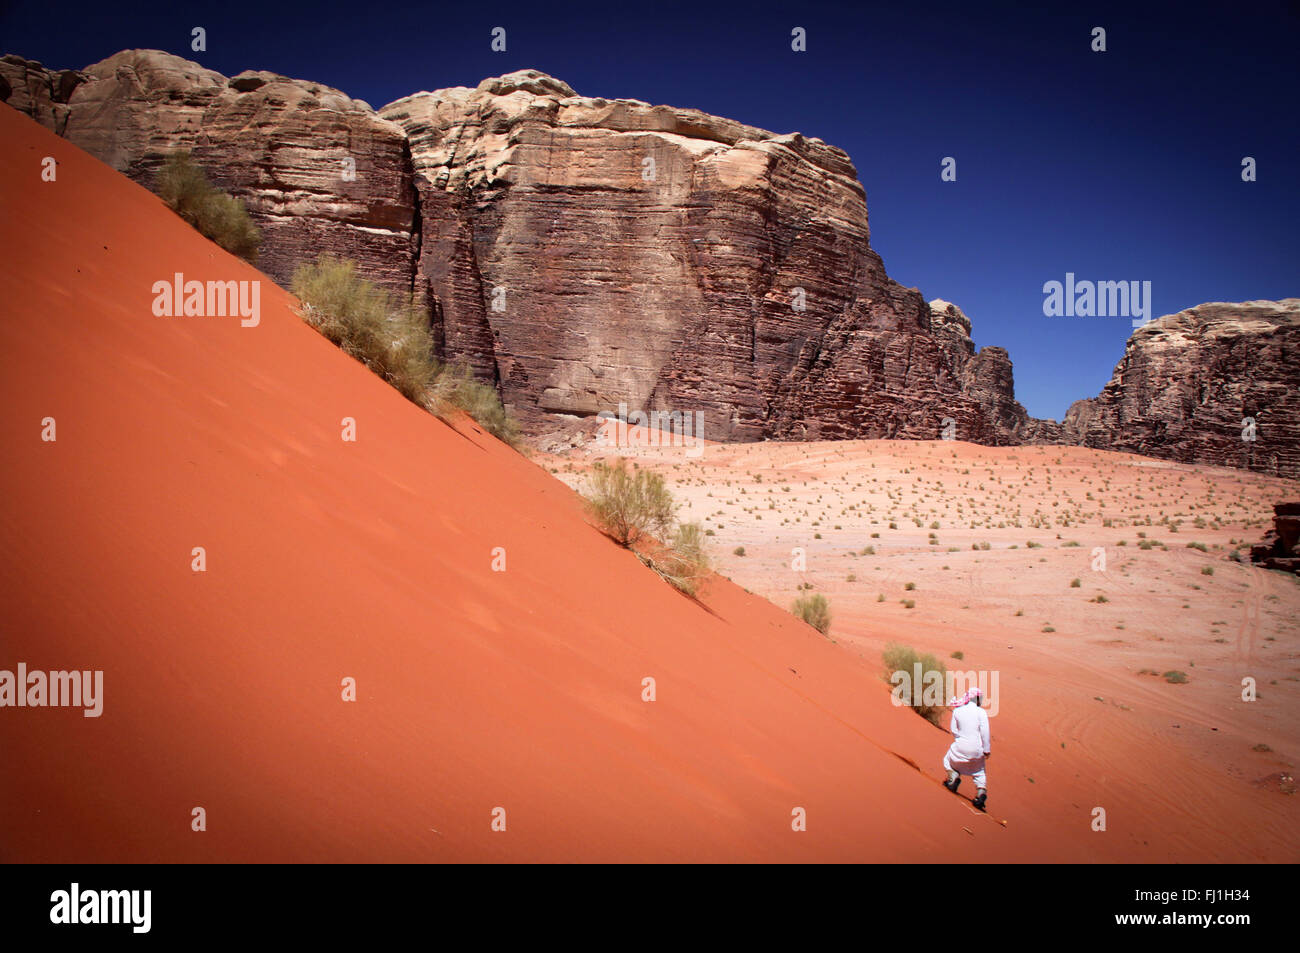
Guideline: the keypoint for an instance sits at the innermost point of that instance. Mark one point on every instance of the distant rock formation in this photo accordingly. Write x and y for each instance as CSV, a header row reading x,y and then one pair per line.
x,y
1216,384
666,258
1280,548
583,254
579,253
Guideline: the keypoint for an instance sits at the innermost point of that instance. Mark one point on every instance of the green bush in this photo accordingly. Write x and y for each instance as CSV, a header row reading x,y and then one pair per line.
x,y
633,506
1175,677
454,386
739,551
684,563
391,336
213,213
815,610
629,504
904,658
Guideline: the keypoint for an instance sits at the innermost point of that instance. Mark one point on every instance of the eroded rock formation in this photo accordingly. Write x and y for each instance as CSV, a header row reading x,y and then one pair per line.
x,y
587,253
1280,548
1216,384
584,253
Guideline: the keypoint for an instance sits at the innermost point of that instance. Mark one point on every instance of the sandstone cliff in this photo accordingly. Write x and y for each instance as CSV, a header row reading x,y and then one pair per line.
x,y
1190,385
589,252
578,252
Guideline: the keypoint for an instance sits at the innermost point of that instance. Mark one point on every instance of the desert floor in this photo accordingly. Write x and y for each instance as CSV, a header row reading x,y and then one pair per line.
x,y
1004,548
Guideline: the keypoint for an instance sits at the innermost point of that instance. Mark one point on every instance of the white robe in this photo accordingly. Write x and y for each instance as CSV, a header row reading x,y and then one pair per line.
x,y
970,727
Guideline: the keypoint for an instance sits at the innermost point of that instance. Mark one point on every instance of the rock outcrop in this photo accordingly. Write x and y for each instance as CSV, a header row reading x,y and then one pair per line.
x,y
1215,384
586,253
583,254
1280,548
318,171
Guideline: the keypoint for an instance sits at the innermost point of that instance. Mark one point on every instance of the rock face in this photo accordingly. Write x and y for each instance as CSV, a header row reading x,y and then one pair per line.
x,y
317,170
40,93
1281,546
580,253
1190,385
586,252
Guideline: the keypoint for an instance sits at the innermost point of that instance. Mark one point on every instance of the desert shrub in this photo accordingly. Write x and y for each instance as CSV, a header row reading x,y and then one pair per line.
x,y
629,504
213,213
738,551
455,386
1207,570
1075,583
815,610
904,658
684,563
1175,677
391,336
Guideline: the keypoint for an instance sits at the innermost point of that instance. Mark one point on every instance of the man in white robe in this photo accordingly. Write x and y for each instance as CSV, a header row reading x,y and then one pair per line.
x,y
970,747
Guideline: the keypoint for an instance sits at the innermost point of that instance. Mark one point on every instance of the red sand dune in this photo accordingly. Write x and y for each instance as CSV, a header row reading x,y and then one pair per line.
x,y
372,560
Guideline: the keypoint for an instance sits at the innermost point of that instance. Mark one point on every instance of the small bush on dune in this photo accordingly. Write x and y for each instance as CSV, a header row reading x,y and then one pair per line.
x,y
633,506
815,610
684,564
213,213
904,658
388,336
391,336
455,386
629,504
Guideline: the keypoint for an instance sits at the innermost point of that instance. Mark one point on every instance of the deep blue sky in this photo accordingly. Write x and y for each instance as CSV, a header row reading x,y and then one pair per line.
x,y
1123,165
